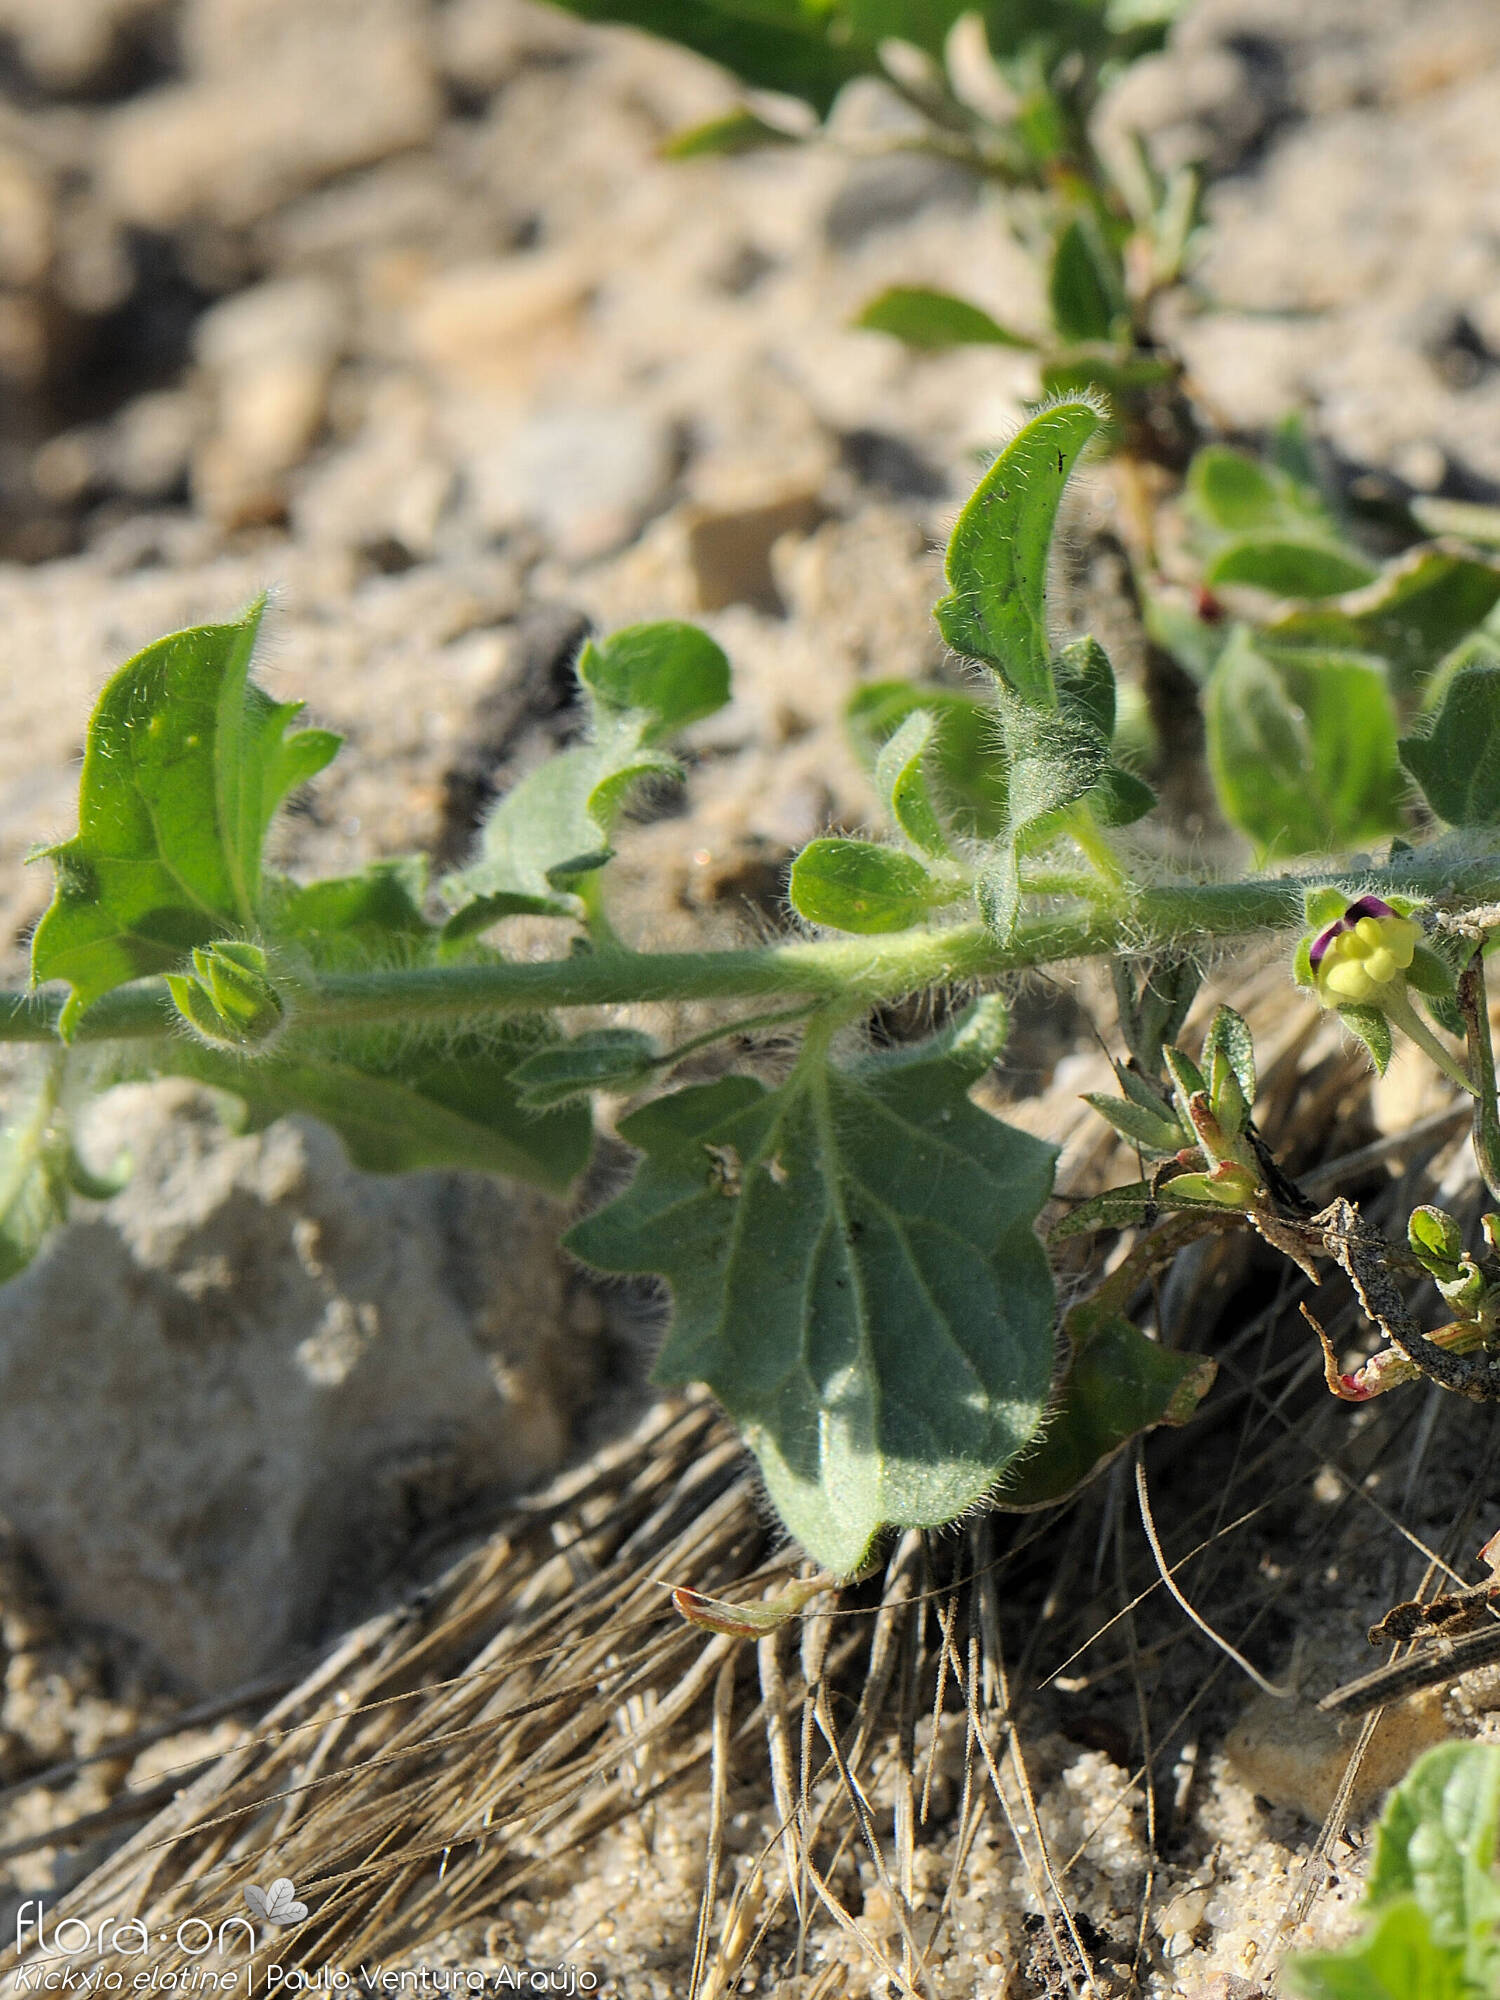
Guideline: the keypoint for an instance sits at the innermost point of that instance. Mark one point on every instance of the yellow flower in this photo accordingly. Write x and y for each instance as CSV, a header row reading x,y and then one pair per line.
x,y
1363,958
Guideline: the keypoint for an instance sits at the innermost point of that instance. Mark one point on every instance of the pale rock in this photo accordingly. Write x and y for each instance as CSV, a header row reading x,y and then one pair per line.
x,y
587,476
491,327
26,219
280,98
390,484
269,354
229,1396
66,44
1290,1753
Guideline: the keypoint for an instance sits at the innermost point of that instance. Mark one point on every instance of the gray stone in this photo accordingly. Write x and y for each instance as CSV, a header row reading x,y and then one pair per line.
x,y
229,1396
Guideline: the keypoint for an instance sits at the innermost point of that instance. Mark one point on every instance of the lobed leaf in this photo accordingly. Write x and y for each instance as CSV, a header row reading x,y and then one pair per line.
x,y
185,764
855,1274
925,318
997,554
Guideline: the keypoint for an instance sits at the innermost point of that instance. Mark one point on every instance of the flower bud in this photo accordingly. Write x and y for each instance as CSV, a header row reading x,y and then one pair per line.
x,y
229,999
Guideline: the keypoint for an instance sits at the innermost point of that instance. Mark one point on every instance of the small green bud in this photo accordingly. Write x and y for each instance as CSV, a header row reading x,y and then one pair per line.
x,y
1435,1240
229,998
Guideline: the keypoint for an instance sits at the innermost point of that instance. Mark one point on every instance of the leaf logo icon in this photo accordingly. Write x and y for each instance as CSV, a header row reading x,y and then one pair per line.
x,y
278,1904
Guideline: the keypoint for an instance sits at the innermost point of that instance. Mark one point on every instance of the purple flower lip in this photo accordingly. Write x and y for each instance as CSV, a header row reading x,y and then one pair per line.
x,y
1367,906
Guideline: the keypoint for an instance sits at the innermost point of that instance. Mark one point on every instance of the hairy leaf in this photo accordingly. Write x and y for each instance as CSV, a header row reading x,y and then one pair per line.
x,y
855,885
601,1059
997,554
1056,758
399,1103
1457,763
924,318
1303,753
967,759
554,827
855,1274
1369,1025
36,1171
185,764
901,775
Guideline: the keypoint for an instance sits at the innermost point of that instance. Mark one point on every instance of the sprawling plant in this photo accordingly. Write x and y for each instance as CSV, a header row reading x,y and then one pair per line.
x,y
1014,104
849,1240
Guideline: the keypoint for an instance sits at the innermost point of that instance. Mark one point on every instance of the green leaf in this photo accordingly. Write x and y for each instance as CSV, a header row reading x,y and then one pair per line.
x,y
1324,906
1303,754
342,919
1085,289
1117,1383
643,684
1433,1884
601,1059
901,775
1056,758
1229,1039
966,762
1153,1003
1153,1129
1117,1208
739,131
1288,566
997,554
1418,610
924,318
399,1102
185,764
36,1162
672,673
1369,1025
1120,798
855,885
1457,763
1398,1960
1086,684
796,46
855,1274
1230,492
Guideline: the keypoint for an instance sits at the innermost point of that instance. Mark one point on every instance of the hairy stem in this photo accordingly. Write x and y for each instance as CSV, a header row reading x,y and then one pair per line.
x,y
859,971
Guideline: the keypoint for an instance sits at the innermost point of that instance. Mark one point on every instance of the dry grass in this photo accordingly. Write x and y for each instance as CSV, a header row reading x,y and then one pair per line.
x,y
885,1797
